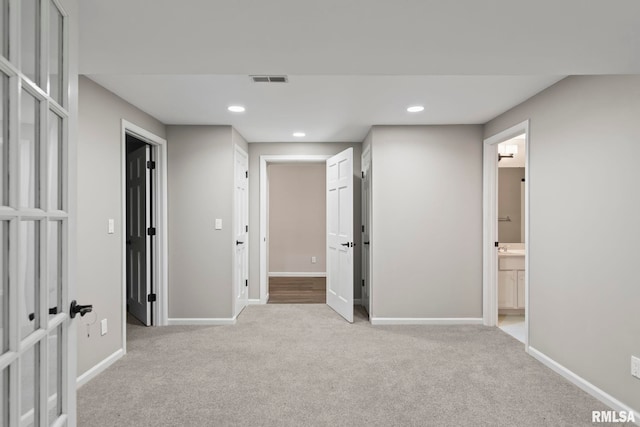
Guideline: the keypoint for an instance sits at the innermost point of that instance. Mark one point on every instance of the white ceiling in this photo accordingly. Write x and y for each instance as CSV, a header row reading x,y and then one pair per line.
x,y
351,63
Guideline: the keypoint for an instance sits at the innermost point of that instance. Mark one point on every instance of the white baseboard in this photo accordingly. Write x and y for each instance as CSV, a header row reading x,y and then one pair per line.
x,y
203,321
99,368
254,301
425,321
301,274
583,384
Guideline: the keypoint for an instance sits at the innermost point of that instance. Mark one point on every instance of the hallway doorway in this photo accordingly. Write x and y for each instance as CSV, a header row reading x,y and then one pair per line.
x,y
296,244
506,232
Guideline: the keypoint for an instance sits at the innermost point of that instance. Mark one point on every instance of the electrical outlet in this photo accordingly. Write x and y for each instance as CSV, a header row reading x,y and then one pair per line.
x,y
103,327
313,260
635,366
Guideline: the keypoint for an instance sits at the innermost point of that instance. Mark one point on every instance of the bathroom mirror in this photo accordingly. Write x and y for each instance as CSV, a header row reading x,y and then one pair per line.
x,y
511,204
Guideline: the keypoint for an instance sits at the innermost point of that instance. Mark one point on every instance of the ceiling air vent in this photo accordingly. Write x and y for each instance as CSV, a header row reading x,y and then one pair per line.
x,y
269,79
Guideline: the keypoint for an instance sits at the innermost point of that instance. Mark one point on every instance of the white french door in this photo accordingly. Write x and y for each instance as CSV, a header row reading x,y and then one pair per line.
x,y
340,245
37,365
241,229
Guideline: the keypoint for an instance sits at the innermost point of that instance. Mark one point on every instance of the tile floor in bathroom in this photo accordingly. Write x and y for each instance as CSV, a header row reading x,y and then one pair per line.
x,y
512,325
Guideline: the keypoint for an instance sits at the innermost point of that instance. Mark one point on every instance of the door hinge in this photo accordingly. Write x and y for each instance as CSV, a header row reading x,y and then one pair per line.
x,y
246,228
363,228
151,164
246,174
151,297
151,231
363,174
497,244
362,282
246,282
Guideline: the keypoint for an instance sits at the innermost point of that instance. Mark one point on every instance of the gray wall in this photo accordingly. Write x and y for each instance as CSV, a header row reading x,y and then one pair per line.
x,y
427,221
509,184
200,173
297,217
297,148
584,211
99,185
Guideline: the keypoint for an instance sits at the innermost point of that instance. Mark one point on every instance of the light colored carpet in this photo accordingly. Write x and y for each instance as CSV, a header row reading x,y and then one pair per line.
x,y
303,365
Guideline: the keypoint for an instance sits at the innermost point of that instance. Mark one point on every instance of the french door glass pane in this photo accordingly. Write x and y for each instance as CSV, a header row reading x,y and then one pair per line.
x,y
55,161
30,41
28,382
55,52
29,152
4,397
4,138
29,266
55,370
4,285
55,264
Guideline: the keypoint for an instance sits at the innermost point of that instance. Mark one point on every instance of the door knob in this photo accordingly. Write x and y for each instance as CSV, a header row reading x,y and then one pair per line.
x,y
366,243
77,308
348,244
238,242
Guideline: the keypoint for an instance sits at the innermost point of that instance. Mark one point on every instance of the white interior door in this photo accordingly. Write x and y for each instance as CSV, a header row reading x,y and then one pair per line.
x,y
366,232
241,229
37,339
340,233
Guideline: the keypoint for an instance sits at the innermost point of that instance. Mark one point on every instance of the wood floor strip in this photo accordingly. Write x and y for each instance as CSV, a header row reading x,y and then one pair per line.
x,y
297,290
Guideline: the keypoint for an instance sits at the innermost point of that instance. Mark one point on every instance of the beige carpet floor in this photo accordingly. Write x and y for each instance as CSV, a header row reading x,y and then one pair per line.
x,y
302,365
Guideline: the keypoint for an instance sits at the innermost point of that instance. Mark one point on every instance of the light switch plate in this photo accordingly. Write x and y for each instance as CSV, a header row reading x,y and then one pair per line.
x,y
218,224
313,260
112,226
103,327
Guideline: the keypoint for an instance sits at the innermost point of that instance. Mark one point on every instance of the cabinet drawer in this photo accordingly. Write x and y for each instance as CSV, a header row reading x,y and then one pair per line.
x,y
511,263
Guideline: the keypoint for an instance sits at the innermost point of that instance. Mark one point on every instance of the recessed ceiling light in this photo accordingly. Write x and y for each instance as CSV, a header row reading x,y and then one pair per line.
x,y
415,109
299,134
236,109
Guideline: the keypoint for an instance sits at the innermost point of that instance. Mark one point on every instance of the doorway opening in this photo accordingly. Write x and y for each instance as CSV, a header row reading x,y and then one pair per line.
x,y
340,193
296,233
511,239
144,229
506,232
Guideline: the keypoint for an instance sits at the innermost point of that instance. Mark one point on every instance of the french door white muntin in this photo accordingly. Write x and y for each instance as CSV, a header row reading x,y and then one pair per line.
x,y
35,327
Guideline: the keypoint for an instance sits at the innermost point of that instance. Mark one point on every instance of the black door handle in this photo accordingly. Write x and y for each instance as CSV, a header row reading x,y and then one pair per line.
x,y
346,244
366,243
238,242
77,308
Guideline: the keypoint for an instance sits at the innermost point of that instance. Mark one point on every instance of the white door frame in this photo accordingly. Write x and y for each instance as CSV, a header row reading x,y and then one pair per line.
x,y
160,242
490,221
264,161
366,155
